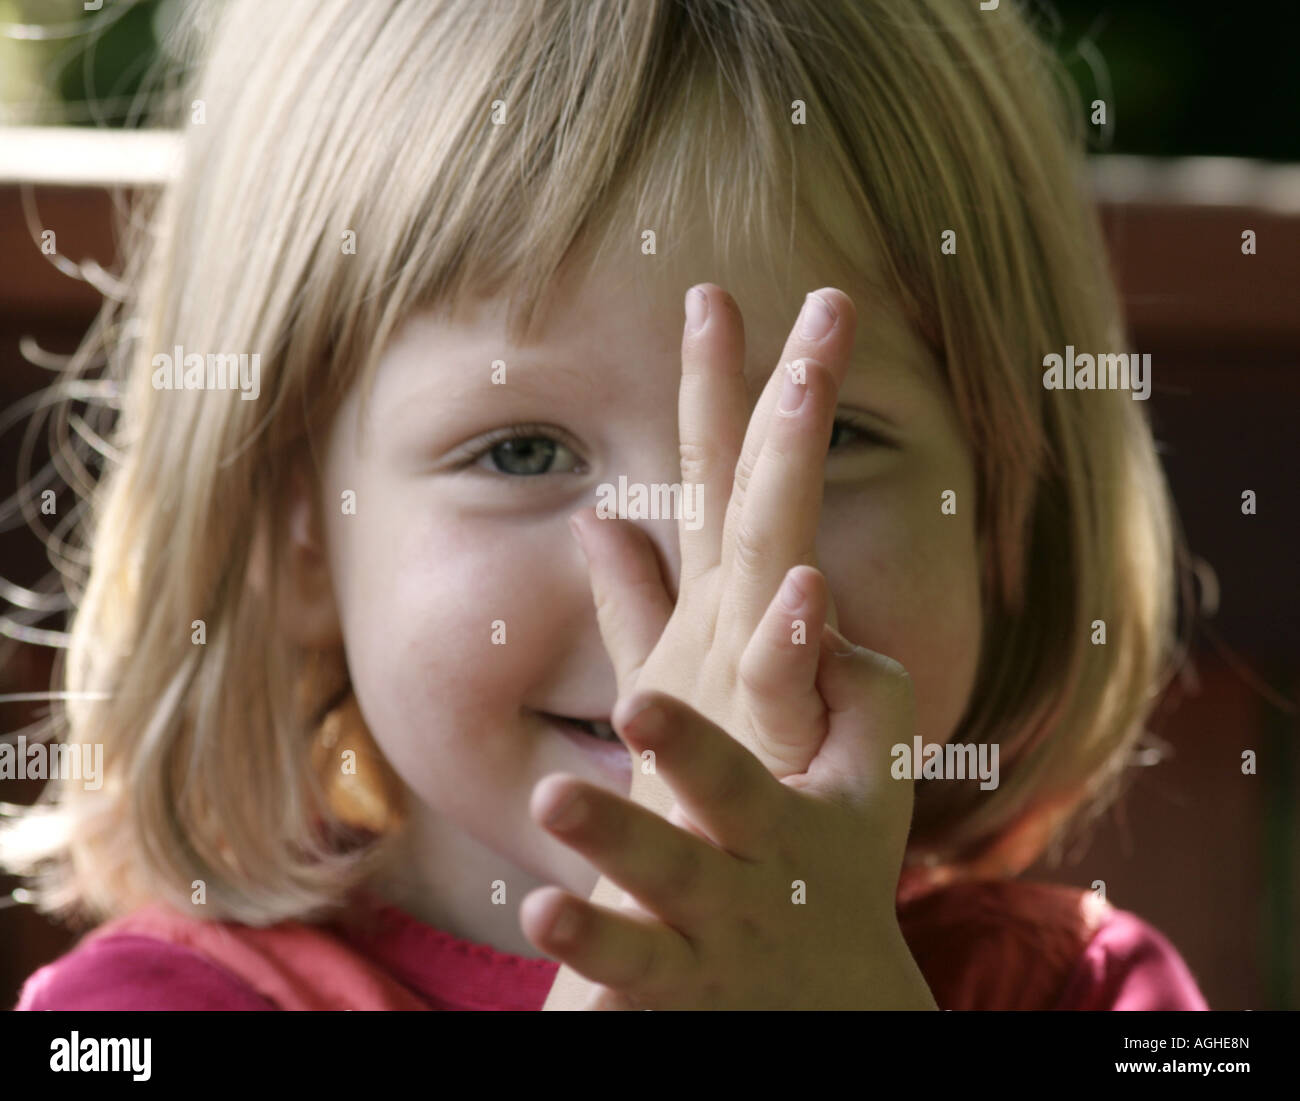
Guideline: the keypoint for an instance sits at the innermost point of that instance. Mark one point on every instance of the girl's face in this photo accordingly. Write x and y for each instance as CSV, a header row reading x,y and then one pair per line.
x,y
464,601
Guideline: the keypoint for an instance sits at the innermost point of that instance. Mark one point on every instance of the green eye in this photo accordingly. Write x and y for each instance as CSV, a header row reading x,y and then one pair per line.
x,y
523,451
527,451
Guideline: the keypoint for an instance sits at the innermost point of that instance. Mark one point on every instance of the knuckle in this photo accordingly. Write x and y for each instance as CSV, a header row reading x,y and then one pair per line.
x,y
751,676
730,787
744,472
609,825
682,875
695,461
749,931
781,822
648,968
747,549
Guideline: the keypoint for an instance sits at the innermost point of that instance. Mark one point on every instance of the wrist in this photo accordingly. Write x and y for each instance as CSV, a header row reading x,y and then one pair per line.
x,y
892,979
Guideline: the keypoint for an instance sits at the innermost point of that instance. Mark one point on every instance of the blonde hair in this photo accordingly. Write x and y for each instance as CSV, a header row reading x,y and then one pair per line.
x,y
375,117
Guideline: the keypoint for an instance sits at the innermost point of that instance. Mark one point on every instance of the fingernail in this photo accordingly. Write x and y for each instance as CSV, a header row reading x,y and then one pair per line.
x,y
697,309
568,814
793,393
566,925
816,319
841,647
791,597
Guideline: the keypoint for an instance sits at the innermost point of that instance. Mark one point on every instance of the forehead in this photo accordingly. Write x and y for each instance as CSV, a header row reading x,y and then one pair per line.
x,y
610,328
633,305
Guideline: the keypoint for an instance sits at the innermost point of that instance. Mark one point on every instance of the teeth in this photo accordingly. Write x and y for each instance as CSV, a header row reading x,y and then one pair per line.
x,y
603,731
600,730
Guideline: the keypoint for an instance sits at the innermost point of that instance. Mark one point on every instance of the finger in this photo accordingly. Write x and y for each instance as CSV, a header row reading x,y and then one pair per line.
x,y
831,348
675,875
778,671
712,410
627,585
571,992
634,955
774,527
872,707
725,791
772,523
605,1000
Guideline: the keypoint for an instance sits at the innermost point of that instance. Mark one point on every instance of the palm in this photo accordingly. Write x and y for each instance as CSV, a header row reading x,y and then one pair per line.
x,y
725,647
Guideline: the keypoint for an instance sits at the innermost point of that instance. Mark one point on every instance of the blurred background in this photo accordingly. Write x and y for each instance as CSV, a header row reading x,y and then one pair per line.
x,y
1200,143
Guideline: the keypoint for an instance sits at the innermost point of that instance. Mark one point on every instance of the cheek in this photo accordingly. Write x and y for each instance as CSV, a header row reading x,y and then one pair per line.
x,y
440,622
905,579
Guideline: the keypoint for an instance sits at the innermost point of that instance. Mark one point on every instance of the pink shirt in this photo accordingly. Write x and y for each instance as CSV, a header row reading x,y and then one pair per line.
x,y
980,945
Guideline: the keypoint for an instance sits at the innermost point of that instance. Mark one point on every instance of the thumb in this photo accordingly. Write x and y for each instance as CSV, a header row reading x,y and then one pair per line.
x,y
869,697
632,603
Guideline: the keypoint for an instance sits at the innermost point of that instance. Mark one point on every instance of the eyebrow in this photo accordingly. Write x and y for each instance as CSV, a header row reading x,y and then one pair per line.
x,y
529,377
533,377
900,379
535,374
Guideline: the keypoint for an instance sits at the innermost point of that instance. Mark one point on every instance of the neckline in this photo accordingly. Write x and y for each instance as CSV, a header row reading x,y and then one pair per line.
x,y
448,971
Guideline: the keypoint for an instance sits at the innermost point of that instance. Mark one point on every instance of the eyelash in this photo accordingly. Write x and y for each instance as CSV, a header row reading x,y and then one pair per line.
x,y
522,432
866,433
863,429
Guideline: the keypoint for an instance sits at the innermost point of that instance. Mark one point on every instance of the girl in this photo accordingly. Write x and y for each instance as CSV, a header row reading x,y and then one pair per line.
x,y
368,738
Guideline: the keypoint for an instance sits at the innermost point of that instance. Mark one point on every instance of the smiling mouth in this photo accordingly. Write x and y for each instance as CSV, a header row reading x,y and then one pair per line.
x,y
599,729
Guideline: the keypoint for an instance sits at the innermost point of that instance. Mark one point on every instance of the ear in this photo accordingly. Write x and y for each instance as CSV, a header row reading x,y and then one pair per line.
x,y
306,609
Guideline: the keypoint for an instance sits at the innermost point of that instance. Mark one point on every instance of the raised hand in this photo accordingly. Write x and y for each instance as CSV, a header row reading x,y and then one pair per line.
x,y
762,497
753,686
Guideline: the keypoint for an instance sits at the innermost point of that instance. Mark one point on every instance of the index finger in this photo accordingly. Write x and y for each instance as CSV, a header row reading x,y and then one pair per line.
x,y
725,791
712,408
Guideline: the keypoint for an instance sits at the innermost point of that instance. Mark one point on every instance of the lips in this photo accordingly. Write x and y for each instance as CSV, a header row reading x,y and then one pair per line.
x,y
598,743
599,729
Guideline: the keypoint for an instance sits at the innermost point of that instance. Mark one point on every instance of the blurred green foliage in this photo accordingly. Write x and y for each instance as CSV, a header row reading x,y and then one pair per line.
x,y
1212,79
